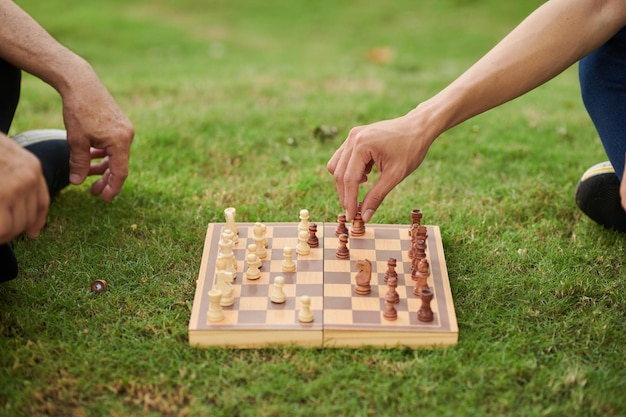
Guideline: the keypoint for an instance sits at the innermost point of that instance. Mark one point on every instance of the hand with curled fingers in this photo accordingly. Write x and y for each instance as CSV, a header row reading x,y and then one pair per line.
x,y
396,147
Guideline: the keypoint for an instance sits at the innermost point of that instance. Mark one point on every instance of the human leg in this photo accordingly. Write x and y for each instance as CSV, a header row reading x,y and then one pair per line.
x,y
603,88
50,147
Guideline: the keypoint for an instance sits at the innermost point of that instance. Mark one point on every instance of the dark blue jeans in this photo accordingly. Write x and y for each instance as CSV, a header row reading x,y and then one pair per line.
x,y
603,88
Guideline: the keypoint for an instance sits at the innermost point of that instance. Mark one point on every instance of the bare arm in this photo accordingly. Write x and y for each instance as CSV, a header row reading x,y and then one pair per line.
x,y
92,118
552,38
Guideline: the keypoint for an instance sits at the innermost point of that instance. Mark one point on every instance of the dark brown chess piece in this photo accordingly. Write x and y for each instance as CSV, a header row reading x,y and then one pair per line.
x,y
413,237
342,250
391,269
425,313
313,241
358,225
390,313
341,225
416,216
421,277
420,248
392,295
364,277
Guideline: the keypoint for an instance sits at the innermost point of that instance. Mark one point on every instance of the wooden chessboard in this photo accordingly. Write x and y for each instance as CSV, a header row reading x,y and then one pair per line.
x,y
341,317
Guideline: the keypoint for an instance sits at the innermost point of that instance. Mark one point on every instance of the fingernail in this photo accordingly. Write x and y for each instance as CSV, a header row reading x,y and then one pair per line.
x,y
76,179
367,216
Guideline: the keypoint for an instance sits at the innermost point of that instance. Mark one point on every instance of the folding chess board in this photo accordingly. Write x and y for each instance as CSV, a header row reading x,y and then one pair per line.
x,y
342,318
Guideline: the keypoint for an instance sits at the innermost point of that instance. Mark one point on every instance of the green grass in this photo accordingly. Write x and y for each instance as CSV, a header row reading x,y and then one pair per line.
x,y
225,97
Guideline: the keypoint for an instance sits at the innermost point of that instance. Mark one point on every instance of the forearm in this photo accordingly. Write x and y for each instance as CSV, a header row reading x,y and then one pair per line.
x,y
554,37
25,44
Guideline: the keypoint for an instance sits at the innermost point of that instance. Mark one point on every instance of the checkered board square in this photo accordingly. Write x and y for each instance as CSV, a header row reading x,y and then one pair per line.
x,y
341,317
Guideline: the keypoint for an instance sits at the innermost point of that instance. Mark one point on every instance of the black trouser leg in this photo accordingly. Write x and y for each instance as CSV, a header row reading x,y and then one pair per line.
x,y
10,82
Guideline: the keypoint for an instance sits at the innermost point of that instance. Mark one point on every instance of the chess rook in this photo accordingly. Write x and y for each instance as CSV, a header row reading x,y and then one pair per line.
x,y
215,313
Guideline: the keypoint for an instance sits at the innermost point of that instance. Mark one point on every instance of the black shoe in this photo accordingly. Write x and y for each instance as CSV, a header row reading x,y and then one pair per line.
x,y
8,263
597,195
50,147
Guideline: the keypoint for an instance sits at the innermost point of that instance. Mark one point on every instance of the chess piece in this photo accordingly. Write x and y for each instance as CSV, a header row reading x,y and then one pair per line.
x,y
425,313
230,214
416,217
224,283
229,236
288,265
305,315
358,225
302,248
392,295
259,240
253,268
364,277
342,250
264,234
278,294
341,229
413,237
215,312
227,256
420,248
304,221
252,250
422,232
390,313
313,241
391,269
421,277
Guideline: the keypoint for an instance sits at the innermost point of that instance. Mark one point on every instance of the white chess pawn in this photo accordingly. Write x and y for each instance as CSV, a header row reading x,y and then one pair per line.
x,y
304,221
278,294
215,312
305,315
303,247
288,264
252,249
253,268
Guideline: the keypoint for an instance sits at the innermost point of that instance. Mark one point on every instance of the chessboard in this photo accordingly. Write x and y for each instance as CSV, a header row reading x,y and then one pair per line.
x,y
341,318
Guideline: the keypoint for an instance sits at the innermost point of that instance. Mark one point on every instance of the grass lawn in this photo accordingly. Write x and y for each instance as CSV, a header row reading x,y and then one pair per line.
x,y
225,97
